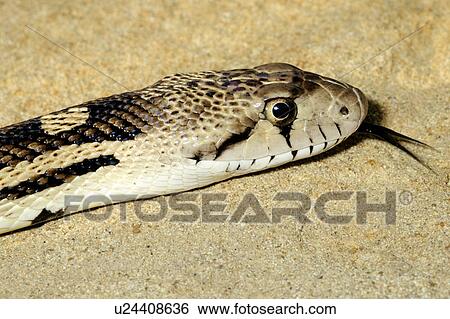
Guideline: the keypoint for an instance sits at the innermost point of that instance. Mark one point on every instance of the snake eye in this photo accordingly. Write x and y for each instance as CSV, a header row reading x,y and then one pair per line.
x,y
281,111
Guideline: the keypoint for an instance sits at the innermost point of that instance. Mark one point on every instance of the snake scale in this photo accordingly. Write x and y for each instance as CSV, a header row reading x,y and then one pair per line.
x,y
183,132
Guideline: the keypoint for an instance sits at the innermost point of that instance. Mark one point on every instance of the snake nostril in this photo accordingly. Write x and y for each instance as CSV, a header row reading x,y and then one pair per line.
x,y
344,110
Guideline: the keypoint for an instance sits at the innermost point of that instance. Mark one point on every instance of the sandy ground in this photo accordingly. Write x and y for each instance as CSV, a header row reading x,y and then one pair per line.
x,y
136,43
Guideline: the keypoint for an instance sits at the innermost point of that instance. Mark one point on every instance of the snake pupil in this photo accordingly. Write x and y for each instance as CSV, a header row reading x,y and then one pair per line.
x,y
281,109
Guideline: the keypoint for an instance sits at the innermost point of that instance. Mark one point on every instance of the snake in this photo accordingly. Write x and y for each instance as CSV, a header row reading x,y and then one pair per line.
x,y
186,131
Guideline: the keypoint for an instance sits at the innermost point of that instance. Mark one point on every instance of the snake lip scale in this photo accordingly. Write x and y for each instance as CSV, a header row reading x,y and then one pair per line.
x,y
186,131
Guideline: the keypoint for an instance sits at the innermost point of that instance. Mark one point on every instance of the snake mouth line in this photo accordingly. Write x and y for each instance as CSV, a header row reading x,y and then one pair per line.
x,y
270,161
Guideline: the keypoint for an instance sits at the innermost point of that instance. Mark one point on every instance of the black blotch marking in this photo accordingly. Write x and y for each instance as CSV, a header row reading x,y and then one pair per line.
x,y
21,135
46,215
56,177
325,145
286,132
192,84
100,111
321,132
271,158
296,78
338,128
20,132
310,149
197,158
234,139
294,153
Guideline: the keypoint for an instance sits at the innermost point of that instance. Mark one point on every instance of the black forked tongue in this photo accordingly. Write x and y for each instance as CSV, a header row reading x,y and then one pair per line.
x,y
393,138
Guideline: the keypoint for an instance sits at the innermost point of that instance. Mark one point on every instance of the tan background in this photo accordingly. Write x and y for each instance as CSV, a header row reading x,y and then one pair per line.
x,y
136,43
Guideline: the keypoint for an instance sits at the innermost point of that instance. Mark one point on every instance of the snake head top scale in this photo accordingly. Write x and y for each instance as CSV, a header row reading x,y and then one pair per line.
x,y
183,132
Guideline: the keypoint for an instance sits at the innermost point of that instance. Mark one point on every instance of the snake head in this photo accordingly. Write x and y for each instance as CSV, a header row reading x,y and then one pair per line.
x,y
274,113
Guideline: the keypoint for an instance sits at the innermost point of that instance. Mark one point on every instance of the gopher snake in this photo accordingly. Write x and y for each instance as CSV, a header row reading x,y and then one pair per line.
x,y
183,132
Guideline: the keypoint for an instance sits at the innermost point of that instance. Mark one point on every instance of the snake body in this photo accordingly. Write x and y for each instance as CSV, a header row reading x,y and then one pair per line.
x,y
183,132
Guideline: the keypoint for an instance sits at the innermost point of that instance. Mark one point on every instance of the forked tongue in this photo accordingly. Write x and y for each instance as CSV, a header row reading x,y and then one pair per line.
x,y
393,138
